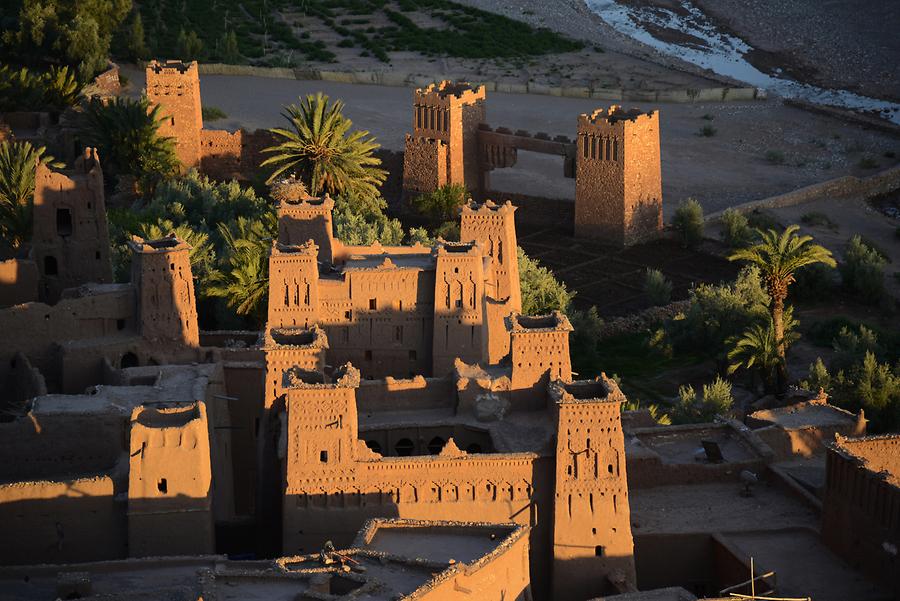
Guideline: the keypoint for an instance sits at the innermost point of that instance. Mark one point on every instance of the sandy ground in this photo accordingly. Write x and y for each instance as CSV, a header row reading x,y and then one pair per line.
x,y
836,44
720,171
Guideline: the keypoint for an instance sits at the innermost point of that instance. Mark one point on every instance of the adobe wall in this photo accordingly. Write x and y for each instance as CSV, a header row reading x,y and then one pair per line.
x,y
32,328
861,506
502,574
51,445
62,521
18,282
228,155
392,394
496,488
806,442
244,384
424,165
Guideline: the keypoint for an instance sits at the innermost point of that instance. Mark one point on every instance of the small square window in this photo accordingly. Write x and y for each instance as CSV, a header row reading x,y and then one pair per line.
x,y
373,304
162,486
412,355
368,355
348,314
323,456
599,551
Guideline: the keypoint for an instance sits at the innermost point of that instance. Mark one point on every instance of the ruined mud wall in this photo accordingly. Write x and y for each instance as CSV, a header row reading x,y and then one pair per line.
x,y
63,521
32,328
232,155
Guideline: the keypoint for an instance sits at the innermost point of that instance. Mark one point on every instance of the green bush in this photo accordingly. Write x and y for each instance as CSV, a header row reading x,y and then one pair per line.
x,y
708,131
542,293
763,220
657,288
688,222
817,218
813,283
774,157
716,400
736,230
862,271
443,204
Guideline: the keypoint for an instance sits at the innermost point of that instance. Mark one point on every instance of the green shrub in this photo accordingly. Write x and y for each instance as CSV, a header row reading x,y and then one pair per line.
x,y
213,113
688,222
542,293
708,131
763,220
817,218
862,271
774,157
736,230
657,288
443,204
813,283
867,163
716,400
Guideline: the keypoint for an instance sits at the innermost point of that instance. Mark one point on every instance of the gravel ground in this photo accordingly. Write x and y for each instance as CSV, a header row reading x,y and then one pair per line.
x,y
843,44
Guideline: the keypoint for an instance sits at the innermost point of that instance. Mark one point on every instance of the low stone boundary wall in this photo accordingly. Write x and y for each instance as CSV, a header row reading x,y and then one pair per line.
x,y
637,322
882,182
392,78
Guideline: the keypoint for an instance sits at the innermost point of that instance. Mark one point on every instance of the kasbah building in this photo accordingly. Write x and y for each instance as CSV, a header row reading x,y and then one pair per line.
x,y
399,430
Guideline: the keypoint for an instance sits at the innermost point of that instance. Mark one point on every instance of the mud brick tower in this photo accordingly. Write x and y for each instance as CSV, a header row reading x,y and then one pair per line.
x,y
591,516
70,235
618,185
176,86
443,147
493,226
162,270
458,305
293,285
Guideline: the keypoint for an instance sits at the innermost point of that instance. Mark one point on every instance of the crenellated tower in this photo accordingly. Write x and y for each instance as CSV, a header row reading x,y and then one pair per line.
x,y
293,285
458,305
591,515
443,147
618,184
161,271
539,354
175,86
70,236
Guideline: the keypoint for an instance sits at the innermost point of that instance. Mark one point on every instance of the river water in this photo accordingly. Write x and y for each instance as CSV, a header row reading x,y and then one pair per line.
x,y
724,54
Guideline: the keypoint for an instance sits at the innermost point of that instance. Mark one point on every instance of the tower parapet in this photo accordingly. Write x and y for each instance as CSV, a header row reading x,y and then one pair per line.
x,y
618,189
539,354
161,270
591,514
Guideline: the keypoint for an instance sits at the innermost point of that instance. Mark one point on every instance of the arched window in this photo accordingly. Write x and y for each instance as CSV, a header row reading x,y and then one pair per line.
x,y
435,445
404,447
128,360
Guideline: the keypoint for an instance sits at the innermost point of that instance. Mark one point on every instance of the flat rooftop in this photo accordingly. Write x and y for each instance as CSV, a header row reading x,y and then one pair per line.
x,y
804,415
359,262
716,507
438,543
675,445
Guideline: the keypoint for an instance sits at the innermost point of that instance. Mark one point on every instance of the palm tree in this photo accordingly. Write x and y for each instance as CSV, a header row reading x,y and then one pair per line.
x,y
244,281
322,151
126,134
18,161
756,348
778,256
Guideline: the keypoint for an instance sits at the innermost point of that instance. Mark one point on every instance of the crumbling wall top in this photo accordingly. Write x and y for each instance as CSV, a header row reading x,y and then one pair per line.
x,y
615,114
449,93
166,244
599,390
345,376
308,248
554,322
171,66
488,207
296,338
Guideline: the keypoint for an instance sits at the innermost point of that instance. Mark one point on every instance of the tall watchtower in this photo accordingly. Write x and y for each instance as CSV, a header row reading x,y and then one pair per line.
x,y
458,305
618,182
493,226
161,270
443,147
308,218
70,236
293,285
176,87
591,514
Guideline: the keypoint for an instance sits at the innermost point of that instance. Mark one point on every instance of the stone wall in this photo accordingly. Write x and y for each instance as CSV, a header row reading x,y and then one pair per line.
x,y
18,282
